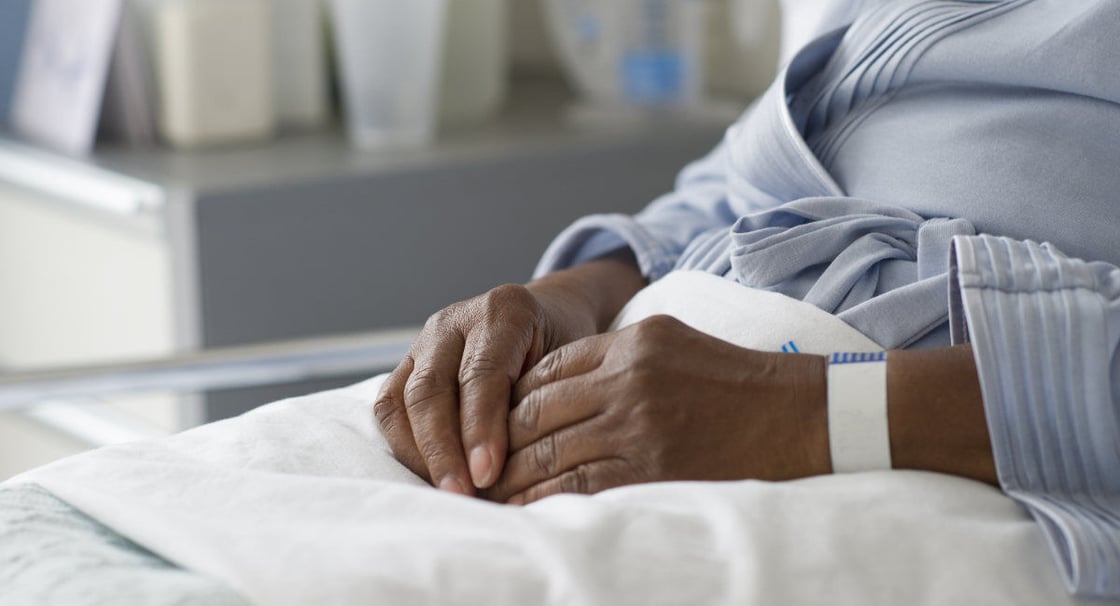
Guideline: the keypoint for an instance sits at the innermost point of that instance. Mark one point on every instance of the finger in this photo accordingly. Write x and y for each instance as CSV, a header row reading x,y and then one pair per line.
x,y
551,456
492,358
389,410
431,398
589,478
552,408
574,359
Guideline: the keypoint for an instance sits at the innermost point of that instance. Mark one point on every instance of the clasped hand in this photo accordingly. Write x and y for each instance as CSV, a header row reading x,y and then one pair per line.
x,y
659,401
514,397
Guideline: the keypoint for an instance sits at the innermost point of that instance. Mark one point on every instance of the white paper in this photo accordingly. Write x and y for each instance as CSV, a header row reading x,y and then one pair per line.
x,y
62,75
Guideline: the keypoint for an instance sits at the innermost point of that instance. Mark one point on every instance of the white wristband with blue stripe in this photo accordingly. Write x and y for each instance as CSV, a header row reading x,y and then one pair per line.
x,y
858,431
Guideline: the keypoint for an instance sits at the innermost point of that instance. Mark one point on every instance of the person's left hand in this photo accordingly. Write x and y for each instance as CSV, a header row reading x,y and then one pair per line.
x,y
660,401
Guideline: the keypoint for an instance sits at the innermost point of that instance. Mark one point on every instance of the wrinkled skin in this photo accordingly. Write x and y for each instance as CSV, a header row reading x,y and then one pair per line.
x,y
660,401
519,394
444,409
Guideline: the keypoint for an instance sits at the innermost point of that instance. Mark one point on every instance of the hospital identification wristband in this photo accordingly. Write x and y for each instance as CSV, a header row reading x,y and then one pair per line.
x,y
858,432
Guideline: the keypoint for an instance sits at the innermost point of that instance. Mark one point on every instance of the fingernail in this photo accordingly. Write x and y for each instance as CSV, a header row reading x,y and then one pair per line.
x,y
482,465
451,484
517,499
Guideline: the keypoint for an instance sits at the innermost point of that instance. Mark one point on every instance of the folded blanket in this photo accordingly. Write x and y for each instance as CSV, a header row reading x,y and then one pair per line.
x,y
302,502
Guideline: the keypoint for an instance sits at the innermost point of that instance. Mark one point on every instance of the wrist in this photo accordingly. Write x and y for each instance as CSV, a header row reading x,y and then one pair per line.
x,y
804,414
594,291
812,398
934,417
858,427
937,420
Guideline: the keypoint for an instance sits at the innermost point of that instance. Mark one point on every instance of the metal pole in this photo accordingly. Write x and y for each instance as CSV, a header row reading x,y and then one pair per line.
x,y
244,366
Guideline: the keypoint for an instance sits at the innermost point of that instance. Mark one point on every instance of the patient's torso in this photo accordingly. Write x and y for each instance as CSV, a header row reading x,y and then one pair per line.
x,y
1008,116
921,121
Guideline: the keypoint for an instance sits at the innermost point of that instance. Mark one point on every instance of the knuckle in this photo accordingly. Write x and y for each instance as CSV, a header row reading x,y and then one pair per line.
x,y
656,456
640,334
641,419
423,385
528,416
577,480
438,455
436,319
552,365
500,301
543,456
643,370
477,368
385,408
616,416
510,293
641,376
657,326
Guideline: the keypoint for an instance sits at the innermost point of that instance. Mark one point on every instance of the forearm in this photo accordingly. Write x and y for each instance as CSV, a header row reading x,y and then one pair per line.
x,y
936,413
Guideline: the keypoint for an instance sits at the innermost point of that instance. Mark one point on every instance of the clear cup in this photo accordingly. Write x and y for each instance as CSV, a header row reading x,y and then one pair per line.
x,y
389,56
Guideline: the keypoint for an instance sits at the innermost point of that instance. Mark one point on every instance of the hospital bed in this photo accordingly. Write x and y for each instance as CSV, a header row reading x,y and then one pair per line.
x,y
52,553
884,538
257,365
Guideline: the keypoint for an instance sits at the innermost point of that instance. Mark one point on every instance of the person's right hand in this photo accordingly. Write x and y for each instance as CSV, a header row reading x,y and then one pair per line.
x,y
444,409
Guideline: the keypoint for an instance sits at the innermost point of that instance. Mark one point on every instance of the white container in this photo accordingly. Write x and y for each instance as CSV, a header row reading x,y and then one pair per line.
x,y
214,68
733,43
636,52
389,57
299,62
475,61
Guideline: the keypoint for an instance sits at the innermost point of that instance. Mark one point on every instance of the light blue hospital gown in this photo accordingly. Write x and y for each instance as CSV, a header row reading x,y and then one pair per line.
x,y
898,174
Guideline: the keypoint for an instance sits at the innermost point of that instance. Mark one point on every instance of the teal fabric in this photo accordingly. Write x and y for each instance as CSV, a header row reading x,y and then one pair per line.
x,y
52,554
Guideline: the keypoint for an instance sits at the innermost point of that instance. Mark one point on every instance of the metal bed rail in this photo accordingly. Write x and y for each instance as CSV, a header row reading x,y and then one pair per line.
x,y
257,365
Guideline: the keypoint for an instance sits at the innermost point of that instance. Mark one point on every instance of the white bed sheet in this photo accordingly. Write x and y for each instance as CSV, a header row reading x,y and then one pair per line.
x,y
301,502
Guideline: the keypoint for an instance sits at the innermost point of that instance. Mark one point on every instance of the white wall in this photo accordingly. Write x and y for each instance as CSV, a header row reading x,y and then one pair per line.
x,y
25,444
75,289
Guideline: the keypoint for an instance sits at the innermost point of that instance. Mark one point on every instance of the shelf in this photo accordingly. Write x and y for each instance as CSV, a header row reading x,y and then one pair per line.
x,y
124,180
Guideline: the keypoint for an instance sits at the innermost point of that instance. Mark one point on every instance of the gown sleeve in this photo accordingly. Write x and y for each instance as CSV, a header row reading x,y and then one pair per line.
x,y
1045,329
658,234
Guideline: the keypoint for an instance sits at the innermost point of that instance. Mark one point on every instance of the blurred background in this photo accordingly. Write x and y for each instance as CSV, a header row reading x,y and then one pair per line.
x,y
183,177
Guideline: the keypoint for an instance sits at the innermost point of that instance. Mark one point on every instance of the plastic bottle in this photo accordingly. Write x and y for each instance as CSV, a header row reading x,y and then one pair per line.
x,y
665,53
639,52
